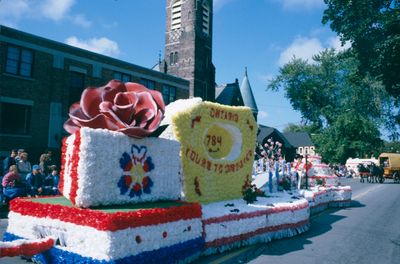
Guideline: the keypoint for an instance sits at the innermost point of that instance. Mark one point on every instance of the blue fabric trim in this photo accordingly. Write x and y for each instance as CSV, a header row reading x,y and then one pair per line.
x,y
171,254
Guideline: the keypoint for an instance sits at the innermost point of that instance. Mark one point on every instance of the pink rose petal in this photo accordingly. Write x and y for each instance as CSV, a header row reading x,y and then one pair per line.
x,y
110,90
90,100
142,118
99,121
70,126
153,125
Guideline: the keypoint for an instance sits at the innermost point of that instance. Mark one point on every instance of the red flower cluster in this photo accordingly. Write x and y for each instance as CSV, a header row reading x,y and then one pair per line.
x,y
274,210
74,167
25,248
106,221
268,229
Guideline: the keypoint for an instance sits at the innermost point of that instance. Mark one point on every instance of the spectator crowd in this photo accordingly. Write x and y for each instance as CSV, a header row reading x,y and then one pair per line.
x,y
19,178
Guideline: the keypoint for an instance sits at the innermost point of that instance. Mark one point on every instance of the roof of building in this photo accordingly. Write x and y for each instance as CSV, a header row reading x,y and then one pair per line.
x,y
229,94
299,139
266,132
247,94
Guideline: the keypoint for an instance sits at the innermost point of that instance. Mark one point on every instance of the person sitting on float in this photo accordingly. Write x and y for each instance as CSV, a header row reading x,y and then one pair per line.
x,y
34,181
12,184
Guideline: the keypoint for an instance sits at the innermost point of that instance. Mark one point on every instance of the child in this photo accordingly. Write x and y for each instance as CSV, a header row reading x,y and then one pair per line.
x,y
51,182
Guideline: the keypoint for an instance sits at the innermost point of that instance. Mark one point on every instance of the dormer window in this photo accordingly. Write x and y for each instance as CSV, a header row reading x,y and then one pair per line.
x,y
176,14
206,17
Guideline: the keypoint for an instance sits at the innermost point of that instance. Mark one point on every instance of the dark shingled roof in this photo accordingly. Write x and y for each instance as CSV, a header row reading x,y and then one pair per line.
x,y
299,139
229,94
247,93
266,132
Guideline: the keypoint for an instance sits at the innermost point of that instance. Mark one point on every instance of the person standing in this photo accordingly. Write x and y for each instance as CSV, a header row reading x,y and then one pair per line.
x,y
34,181
24,166
12,184
19,153
44,164
10,160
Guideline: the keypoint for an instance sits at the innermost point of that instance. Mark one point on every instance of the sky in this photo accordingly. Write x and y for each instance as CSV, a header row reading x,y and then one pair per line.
x,y
261,35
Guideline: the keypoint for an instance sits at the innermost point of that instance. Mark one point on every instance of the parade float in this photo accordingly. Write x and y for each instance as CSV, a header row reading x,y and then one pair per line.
x,y
145,183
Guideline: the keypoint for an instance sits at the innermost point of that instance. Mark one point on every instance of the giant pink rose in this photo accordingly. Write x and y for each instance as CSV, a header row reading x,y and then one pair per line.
x,y
129,108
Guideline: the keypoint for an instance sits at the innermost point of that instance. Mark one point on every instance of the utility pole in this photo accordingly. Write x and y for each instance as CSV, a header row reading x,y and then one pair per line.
x,y
306,172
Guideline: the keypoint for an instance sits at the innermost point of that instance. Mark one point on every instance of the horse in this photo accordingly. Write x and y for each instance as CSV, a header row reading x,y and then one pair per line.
x,y
363,171
376,173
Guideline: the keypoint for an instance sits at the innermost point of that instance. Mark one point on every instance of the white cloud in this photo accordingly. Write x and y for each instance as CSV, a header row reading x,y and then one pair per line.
x,y
302,4
81,20
12,11
305,48
56,9
302,48
335,43
102,45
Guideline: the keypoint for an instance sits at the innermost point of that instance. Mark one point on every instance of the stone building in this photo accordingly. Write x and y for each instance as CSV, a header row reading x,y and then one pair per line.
x,y
41,78
188,45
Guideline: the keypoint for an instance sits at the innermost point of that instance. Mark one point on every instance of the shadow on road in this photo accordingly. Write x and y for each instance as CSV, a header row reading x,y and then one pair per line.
x,y
355,204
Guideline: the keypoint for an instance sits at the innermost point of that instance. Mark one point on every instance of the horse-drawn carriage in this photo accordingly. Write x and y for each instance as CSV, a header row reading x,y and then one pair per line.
x,y
391,166
371,172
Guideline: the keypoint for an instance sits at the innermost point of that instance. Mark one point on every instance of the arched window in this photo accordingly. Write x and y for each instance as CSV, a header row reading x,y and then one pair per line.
x,y
176,57
206,17
171,58
176,14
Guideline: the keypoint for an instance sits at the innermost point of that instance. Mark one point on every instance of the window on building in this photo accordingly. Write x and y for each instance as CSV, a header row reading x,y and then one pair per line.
x,y
19,61
176,14
122,77
148,83
169,94
175,57
206,17
76,86
15,118
171,58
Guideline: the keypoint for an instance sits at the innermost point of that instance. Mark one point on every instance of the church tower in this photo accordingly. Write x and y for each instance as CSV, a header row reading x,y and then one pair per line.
x,y
188,45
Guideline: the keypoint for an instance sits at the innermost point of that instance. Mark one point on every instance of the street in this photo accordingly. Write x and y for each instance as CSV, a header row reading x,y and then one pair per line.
x,y
367,232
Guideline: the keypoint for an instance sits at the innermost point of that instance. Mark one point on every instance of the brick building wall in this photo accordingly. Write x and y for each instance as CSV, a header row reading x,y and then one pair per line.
x,y
43,98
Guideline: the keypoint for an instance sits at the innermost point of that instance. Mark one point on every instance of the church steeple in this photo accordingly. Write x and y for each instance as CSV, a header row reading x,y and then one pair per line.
x,y
188,45
247,94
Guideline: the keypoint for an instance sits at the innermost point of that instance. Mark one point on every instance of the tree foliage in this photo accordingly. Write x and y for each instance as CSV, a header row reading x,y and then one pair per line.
x,y
343,109
373,29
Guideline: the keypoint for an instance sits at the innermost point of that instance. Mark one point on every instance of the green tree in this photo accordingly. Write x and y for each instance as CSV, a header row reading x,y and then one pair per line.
x,y
343,109
373,29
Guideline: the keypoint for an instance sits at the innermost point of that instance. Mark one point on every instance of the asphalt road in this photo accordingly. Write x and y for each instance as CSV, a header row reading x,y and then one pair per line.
x,y
367,232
